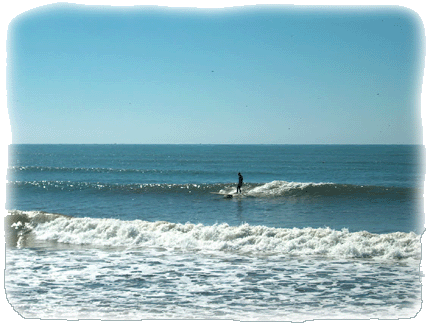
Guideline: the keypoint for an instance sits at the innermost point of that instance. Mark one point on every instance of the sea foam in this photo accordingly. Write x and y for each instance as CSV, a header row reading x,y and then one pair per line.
x,y
325,242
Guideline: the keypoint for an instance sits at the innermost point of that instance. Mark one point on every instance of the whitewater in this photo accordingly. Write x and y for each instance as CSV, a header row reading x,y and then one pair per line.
x,y
243,239
134,232
74,268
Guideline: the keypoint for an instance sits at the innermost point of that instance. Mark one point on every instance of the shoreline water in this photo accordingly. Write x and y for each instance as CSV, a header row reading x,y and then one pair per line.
x,y
48,279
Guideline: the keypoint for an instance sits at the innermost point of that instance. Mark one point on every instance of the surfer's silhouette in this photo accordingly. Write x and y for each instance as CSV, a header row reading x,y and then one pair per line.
x,y
239,185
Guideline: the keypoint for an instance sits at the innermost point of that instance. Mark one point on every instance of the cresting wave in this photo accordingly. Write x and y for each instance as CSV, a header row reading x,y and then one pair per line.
x,y
275,188
25,227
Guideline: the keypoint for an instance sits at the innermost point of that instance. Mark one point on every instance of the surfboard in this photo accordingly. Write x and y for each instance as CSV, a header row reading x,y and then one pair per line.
x,y
226,195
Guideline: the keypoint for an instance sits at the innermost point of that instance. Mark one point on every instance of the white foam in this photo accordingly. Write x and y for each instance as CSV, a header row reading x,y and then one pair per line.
x,y
154,284
222,237
273,189
279,188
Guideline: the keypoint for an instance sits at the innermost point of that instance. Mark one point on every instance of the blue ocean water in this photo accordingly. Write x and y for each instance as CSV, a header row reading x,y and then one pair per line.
x,y
372,188
138,231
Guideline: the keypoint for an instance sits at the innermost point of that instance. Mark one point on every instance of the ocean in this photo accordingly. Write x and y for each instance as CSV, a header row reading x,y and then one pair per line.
x,y
133,232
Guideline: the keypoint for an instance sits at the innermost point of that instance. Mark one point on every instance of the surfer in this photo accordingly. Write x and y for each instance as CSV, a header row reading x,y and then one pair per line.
x,y
239,185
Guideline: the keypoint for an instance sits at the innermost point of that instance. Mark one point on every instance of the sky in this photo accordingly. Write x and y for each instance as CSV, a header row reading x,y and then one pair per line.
x,y
245,75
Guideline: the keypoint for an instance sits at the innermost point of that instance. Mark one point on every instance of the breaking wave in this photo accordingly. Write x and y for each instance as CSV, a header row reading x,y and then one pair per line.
x,y
275,188
26,227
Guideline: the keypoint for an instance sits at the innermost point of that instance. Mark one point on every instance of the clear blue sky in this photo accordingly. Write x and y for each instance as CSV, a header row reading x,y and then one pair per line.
x,y
264,74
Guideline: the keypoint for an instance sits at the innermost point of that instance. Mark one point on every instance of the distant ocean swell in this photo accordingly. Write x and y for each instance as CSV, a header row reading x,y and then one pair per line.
x,y
27,227
65,170
275,188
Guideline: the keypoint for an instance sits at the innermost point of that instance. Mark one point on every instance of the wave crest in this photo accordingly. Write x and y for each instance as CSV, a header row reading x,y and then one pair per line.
x,y
276,188
245,238
281,188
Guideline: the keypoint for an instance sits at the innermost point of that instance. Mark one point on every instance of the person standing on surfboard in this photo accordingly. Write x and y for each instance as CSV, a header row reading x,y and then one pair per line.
x,y
239,185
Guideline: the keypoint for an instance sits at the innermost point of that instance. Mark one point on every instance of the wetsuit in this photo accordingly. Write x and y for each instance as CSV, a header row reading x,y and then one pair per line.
x,y
239,185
